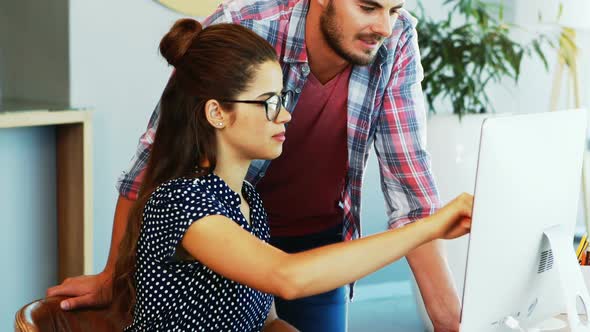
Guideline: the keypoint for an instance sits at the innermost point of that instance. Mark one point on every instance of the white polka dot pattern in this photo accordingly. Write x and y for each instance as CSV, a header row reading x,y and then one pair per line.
x,y
176,295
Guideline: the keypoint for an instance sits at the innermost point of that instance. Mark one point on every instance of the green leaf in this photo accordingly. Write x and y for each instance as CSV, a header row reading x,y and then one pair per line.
x,y
540,54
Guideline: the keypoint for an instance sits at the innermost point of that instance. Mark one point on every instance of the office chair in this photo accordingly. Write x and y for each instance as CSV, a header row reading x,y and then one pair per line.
x,y
45,315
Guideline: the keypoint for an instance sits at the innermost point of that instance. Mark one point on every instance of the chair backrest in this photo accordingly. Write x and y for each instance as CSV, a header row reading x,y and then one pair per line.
x,y
45,315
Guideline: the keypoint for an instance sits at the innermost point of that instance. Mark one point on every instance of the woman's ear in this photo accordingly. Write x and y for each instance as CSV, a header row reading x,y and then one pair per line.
x,y
215,114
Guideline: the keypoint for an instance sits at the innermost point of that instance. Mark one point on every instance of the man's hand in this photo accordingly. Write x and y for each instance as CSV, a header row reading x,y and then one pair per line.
x,y
85,291
95,290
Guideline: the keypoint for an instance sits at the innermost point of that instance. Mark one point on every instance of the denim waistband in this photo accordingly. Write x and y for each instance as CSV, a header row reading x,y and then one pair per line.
x,y
293,244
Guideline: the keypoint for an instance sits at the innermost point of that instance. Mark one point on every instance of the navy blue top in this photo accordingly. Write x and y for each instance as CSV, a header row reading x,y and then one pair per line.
x,y
180,295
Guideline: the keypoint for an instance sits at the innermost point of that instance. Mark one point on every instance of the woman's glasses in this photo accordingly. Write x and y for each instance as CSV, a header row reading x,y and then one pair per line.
x,y
272,104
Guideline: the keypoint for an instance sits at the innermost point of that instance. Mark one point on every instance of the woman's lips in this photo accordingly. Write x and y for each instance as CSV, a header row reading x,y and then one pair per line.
x,y
280,137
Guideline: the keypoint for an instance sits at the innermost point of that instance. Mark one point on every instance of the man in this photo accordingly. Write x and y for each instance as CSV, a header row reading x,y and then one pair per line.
x,y
354,68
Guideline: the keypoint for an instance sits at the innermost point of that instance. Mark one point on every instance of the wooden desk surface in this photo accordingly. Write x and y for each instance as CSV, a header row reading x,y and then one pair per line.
x,y
25,115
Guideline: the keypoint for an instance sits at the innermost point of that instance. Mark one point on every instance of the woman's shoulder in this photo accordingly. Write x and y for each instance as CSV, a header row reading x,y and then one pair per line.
x,y
179,189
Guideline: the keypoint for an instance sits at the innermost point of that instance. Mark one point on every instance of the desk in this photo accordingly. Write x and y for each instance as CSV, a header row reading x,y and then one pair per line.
x,y
73,133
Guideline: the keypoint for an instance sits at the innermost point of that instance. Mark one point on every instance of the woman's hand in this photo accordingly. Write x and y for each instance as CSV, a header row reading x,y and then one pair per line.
x,y
454,219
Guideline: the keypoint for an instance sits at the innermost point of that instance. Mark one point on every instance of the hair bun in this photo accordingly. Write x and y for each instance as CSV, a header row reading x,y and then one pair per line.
x,y
179,39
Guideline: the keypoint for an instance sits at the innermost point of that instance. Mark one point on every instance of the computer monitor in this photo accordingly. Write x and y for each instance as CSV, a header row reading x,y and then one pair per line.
x,y
521,262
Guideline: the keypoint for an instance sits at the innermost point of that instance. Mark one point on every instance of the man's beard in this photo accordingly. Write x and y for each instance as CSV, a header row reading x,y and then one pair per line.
x,y
333,37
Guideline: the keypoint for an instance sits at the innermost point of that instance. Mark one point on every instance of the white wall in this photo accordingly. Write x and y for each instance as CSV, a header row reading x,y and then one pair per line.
x,y
28,218
117,70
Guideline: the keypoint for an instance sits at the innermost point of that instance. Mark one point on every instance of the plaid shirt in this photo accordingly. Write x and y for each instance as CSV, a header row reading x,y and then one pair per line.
x,y
385,109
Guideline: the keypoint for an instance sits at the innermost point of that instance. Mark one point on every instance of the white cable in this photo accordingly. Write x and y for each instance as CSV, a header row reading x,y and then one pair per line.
x,y
512,323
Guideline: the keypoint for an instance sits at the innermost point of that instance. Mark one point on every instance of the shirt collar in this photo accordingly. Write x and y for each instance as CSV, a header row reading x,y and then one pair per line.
x,y
295,50
216,185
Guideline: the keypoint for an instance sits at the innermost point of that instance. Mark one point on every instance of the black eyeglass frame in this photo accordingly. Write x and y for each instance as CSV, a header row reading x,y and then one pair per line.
x,y
284,100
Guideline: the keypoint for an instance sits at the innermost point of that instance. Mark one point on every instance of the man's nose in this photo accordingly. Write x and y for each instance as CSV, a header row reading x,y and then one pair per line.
x,y
383,25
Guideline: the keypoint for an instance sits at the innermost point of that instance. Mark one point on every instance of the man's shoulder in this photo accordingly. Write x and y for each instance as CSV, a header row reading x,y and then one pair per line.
x,y
403,27
403,30
259,10
407,19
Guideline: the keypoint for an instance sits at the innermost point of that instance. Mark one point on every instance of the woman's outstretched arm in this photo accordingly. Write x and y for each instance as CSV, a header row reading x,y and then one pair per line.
x,y
227,249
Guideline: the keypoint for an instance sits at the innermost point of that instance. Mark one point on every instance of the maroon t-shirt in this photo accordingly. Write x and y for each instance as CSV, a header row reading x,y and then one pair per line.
x,y
302,188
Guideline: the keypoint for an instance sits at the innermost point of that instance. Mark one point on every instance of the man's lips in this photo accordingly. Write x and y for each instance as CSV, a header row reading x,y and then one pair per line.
x,y
370,42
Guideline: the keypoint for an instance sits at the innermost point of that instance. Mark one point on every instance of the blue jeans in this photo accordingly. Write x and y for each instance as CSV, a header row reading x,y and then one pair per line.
x,y
326,312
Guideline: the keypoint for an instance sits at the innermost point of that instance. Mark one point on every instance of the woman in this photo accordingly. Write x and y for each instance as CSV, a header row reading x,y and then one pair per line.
x,y
198,253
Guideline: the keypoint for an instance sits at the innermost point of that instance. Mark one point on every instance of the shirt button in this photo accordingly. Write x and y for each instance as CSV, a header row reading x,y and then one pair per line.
x,y
298,90
305,69
261,174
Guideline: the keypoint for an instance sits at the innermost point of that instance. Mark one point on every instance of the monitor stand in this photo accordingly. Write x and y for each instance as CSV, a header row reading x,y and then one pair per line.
x,y
570,276
571,283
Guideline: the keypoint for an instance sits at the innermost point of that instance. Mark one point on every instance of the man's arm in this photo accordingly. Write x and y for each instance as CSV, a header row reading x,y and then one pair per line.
x,y
122,209
408,184
95,290
432,274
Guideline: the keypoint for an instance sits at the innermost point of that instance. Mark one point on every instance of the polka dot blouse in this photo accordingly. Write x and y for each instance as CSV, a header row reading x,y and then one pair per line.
x,y
180,295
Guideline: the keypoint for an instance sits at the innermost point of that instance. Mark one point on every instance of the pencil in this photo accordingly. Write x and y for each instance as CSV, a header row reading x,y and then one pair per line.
x,y
582,246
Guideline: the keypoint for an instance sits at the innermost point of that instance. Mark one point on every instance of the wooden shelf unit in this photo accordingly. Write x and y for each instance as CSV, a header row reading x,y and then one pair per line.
x,y
73,131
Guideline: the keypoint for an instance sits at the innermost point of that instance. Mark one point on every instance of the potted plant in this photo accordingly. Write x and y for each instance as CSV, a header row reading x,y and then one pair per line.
x,y
461,60
462,56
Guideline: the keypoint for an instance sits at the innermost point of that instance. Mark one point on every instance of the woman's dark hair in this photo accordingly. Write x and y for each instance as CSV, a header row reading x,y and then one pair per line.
x,y
218,62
